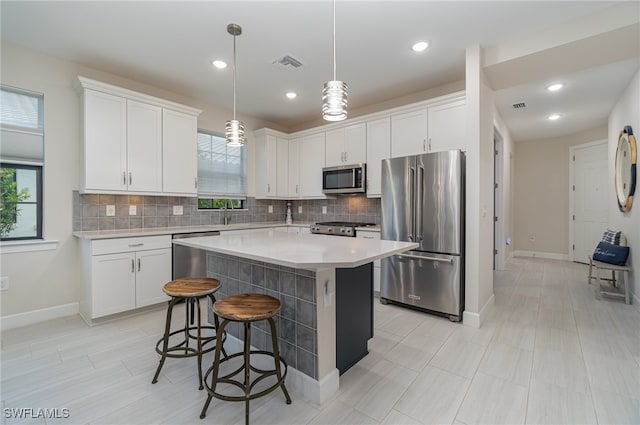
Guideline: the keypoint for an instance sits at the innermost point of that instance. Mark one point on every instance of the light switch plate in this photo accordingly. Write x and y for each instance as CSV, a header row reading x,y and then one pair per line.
x,y
133,209
4,283
300,210
111,210
324,209
177,210
270,209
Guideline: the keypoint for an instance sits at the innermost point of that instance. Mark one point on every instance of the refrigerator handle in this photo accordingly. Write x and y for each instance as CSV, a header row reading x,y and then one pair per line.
x,y
420,257
418,213
412,198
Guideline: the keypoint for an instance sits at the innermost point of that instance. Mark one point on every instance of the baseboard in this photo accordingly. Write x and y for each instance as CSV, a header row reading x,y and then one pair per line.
x,y
537,254
30,317
315,391
636,301
476,320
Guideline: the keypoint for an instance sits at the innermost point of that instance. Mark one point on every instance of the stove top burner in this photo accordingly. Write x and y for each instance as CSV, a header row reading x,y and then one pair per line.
x,y
338,228
344,224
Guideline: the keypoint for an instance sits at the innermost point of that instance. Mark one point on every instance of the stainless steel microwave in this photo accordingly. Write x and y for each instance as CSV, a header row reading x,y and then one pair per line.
x,y
344,179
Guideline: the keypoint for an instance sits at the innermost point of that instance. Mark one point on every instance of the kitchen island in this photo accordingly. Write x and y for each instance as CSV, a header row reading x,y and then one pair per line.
x,y
300,270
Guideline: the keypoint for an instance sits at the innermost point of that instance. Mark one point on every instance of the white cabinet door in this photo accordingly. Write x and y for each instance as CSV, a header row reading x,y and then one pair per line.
x,y
311,163
153,270
144,147
179,153
345,145
294,168
355,144
105,141
270,160
409,133
378,148
113,283
448,126
376,264
282,167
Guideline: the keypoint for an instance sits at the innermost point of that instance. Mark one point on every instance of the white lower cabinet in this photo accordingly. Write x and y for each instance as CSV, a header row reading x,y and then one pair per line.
x,y
368,234
124,274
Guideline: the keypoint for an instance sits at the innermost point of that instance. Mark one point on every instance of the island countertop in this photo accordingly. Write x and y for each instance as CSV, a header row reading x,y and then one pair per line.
x,y
301,251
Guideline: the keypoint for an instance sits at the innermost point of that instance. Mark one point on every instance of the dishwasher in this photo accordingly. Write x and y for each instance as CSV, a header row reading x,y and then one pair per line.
x,y
187,261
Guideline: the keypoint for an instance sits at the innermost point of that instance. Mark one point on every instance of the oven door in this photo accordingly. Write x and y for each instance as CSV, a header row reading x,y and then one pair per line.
x,y
344,179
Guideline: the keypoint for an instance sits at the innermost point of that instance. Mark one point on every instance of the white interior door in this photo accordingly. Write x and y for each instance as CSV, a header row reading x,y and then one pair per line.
x,y
589,190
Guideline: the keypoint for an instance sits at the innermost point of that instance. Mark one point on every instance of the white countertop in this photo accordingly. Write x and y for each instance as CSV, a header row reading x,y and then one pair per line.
x,y
302,251
154,231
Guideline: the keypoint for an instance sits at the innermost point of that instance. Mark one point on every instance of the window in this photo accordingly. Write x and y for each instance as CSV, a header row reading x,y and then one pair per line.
x,y
222,172
21,163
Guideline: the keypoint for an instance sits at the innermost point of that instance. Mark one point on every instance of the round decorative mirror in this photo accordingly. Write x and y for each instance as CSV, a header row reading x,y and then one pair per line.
x,y
626,168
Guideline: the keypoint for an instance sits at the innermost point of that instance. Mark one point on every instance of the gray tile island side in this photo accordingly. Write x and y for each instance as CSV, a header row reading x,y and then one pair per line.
x,y
300,270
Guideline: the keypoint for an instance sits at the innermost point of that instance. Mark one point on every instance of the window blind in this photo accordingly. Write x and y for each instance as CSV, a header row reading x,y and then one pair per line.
x,y
21,126
222,169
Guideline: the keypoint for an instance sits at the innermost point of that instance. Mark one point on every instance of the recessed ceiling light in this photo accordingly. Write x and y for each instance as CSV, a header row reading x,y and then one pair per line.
x,y
291,95
555,87
220,64
420,46
554,117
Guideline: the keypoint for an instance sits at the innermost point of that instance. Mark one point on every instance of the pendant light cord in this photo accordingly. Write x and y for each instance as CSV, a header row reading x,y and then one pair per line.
x,y
334,40
234,77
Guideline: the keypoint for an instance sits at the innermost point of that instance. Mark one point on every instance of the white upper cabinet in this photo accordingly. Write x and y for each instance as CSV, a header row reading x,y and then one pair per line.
x,y
179,144
448,126
294,169
105,126
346,145
378,148
144,147
129,148
409,133
312,151
273,165
282,169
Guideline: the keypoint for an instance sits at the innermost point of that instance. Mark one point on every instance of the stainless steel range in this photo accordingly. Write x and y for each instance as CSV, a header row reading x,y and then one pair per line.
x,y
338,228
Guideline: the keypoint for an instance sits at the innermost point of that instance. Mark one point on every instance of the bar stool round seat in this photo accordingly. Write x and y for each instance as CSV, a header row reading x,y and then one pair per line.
x,y
245,309
191,290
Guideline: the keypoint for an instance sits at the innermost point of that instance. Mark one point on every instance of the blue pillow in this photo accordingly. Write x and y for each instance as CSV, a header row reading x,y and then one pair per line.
x,y
612,254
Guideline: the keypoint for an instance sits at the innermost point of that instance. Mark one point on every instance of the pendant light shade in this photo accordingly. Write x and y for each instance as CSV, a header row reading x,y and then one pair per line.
x,y
234,129
334,94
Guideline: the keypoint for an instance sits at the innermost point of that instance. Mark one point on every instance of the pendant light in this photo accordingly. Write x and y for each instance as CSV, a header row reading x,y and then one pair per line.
x,y
334,94
234,129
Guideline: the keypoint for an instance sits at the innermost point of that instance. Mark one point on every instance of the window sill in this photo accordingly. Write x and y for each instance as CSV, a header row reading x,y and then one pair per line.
x,y
8,247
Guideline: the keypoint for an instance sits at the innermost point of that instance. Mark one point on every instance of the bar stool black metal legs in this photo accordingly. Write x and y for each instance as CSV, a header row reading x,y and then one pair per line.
x,y
246,308
191,290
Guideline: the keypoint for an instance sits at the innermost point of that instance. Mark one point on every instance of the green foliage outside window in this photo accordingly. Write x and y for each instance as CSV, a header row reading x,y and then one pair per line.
x,y
10,198
214,204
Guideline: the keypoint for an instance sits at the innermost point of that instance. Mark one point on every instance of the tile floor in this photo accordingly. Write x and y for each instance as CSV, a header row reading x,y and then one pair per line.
x,y
548,354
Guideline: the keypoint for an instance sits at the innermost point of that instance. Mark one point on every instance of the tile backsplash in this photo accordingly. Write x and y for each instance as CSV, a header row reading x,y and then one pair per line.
x,y
90,211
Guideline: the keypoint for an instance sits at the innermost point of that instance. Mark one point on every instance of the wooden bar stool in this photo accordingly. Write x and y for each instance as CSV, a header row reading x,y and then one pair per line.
x,y
246,308
191,290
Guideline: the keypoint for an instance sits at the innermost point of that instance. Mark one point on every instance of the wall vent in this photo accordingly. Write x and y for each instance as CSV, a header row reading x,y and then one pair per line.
x,y
287,62
520,105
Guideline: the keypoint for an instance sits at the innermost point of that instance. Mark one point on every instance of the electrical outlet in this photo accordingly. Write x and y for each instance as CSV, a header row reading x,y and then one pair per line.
x,y
270,209
178,210
324,209
300,210
111,210
4,283
133,209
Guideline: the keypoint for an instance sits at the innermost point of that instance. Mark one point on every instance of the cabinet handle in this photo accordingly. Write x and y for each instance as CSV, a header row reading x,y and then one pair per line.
x,y
195,182
268,188
138,264
429,143
133,266
346,156
424,144
130,177
124,177
136,244
297,188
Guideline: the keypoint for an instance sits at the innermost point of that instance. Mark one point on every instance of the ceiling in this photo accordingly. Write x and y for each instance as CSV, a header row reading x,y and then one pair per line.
x,y
171,44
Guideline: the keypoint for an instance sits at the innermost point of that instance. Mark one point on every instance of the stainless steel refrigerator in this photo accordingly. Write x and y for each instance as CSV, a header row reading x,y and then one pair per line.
x,y
423,202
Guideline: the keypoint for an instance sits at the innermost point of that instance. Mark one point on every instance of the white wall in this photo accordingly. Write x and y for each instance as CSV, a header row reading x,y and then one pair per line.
x,y
626,112
541,202
50,278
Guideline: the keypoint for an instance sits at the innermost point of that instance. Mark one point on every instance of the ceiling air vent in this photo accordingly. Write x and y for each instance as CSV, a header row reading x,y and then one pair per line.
x,y
287,62
520,105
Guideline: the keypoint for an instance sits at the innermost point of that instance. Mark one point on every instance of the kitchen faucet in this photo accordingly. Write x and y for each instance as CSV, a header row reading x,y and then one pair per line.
x,y
226,212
